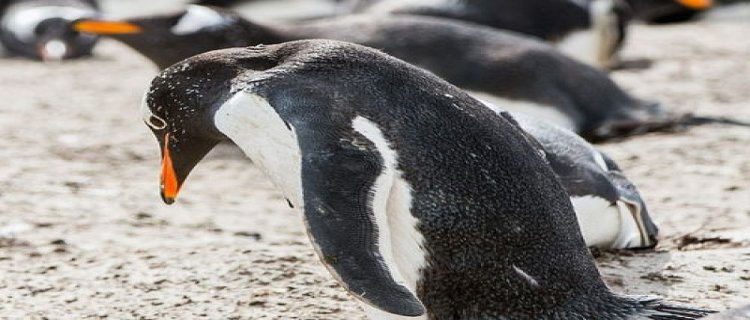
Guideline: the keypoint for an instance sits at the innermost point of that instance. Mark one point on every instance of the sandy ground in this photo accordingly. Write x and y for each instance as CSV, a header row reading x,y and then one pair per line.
x,y
84,235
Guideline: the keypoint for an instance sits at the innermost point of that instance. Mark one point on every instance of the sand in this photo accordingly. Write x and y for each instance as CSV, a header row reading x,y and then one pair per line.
x,y
84,235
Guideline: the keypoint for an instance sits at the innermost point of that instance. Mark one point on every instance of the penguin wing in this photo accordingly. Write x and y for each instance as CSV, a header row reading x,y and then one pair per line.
x,y
340,174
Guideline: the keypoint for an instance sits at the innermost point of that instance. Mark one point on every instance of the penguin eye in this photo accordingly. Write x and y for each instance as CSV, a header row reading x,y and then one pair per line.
x,y
156,122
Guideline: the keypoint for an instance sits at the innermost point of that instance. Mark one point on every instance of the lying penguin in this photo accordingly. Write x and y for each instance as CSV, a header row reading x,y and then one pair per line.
x,y
40,29
591,31
420,200
610,210
501,67
665,11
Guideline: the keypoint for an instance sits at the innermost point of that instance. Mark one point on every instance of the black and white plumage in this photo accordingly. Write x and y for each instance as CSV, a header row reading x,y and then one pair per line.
x,y
419,199
610,210
504,68
40,29
591,31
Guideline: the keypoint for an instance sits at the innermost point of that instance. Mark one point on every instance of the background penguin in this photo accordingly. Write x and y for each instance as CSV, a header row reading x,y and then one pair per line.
x,y
504,68
610,211
40,29
666,11
591,31
419,199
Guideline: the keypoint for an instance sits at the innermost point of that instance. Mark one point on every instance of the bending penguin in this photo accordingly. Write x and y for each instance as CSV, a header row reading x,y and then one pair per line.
x,y
41,29
501,67
421,201
591,31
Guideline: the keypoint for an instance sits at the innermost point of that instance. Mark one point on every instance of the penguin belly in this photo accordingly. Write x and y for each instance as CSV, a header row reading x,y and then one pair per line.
x,y
606,225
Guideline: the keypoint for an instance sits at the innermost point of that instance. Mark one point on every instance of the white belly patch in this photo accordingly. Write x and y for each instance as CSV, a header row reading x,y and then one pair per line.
x,y
605,225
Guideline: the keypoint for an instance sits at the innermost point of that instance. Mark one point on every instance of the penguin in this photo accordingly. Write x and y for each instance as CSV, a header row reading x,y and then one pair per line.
x,y
498,66
40,29
591,31
610,210
667,11
420,200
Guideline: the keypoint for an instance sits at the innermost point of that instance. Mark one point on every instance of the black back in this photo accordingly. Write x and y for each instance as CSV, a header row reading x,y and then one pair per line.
x,y
546,19
661,11
486,60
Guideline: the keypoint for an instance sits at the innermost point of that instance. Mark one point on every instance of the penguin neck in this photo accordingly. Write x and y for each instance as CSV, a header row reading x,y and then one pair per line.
x,y
255,126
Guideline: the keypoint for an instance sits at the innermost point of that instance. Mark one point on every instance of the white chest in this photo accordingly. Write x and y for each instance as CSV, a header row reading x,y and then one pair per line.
x,y
254,126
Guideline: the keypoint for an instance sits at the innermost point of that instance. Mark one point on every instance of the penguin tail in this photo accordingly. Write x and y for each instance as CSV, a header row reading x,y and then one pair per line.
x,y
658,309
655,120
693,120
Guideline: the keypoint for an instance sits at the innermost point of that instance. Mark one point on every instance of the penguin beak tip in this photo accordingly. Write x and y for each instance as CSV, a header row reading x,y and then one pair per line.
x,y
167,199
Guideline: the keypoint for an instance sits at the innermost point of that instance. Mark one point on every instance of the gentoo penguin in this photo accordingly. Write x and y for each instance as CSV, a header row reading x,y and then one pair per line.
x,y
501,67
666,11
610,210
419,200
40,29
591,31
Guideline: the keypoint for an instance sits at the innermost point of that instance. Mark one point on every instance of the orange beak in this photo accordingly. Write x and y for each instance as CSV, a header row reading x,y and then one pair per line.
x,y
696,4
106,27
170,187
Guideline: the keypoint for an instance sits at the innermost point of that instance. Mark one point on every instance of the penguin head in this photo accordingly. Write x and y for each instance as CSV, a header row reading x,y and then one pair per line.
x,y
179,109
167,39
45,33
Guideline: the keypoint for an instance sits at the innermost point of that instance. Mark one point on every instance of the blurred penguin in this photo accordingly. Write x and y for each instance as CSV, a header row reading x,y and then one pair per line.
x,y
591,31
668,11
40,29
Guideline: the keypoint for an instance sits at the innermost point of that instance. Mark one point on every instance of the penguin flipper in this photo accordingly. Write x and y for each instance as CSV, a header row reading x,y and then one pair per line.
x,y
339,175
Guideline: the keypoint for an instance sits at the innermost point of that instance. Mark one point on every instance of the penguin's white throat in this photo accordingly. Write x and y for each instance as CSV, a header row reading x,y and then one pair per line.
x,y
253,124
